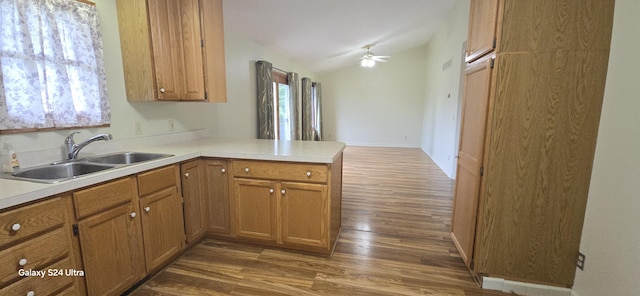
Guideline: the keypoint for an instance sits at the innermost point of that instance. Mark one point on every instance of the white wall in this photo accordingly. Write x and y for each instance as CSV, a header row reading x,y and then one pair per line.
x,y
441,84
379,106
236,119
611,235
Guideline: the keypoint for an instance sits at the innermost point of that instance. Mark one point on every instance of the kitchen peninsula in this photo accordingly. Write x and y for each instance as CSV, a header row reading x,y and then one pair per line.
x,y
284,194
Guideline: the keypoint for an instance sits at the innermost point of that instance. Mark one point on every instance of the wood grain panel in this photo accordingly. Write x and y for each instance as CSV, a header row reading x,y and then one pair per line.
x,y
483,18
214,56
33,219
256,208
102,197
193,79
280,171
547,110
48,285
305,214
195,200
394,241
166,39
471,156
158,179
539,26
217,191
135,44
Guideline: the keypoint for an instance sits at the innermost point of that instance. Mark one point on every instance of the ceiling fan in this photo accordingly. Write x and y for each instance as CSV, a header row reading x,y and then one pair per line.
x,y
369,60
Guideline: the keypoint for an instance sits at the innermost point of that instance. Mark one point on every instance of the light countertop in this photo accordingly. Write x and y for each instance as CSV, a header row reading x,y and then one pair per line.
x,y
15,192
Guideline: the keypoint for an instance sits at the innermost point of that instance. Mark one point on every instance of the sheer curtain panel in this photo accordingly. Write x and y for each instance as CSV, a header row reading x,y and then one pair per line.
x,y
51,65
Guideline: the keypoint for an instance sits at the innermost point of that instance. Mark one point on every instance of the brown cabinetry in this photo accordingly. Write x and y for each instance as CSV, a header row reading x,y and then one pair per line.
x,y
217,192
294,205
37,237
110,237
195,206
161,214
530,120
172,50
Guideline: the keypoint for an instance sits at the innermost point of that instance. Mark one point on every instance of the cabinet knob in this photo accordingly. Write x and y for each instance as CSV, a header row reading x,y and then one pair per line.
x,y
31,293
133,214
162,89
271,190
186,175
223,170
283,191
15,227
308,173
22,262
246,170
147,209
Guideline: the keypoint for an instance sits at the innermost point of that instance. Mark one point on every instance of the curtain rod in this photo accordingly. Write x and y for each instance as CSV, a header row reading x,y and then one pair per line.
x,y
280,70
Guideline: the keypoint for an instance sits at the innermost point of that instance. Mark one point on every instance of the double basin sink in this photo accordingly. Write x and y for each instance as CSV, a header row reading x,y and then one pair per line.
x,y
71,169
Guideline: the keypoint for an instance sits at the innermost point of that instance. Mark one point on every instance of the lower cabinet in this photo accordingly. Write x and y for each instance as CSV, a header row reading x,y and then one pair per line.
x,y
256,204
216,187
127,231
293,205
110,236
195,207
112,250
38,237
161,214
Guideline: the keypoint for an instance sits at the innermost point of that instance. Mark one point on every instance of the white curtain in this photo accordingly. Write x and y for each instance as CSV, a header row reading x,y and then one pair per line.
x,y
51,65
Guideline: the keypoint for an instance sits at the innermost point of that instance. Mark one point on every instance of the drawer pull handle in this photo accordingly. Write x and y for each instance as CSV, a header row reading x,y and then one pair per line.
x,y
283,191
246,170
31,293
22,262
133,214
308,173
147,209
223,170
162,90
15,227
271,190
186,175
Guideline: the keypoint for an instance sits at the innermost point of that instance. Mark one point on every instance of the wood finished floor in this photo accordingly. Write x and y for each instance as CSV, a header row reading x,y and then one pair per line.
x,y
395,241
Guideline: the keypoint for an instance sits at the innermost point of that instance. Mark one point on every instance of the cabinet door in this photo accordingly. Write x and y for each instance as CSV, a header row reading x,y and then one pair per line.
x,y
111,250
470,156
256,209
217,192
162,226
177,51
195,207
483,19
305,214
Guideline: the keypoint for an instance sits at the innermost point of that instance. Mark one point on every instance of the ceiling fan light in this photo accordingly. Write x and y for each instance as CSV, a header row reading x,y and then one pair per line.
x,y
367,63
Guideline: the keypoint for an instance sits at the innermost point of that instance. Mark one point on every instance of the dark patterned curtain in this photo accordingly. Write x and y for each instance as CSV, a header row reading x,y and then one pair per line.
x,y
311,110
266,128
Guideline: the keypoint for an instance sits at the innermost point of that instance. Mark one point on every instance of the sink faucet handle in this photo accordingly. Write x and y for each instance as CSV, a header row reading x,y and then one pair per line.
x,y
69,138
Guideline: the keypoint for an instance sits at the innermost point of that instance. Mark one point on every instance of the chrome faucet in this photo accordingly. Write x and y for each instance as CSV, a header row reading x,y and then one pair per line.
x,y
73,149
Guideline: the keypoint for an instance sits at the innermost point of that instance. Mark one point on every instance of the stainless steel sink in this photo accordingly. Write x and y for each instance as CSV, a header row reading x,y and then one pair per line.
x,y
126,158
59,172
69,169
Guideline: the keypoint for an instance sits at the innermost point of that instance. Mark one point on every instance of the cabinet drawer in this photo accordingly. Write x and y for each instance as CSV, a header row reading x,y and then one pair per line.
x,y
157,180
29,220
99,198
36,254
280,171
50,284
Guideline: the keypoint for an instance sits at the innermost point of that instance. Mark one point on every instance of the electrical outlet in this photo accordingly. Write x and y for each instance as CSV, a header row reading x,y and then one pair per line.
x,y
580,263
172,126
138,128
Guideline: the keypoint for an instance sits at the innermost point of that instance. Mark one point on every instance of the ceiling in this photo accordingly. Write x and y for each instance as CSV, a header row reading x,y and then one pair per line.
x,y
325,35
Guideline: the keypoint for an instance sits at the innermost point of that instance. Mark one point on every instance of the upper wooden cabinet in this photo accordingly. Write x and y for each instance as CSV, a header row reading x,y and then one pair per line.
x,y
483,19
528,138
172,50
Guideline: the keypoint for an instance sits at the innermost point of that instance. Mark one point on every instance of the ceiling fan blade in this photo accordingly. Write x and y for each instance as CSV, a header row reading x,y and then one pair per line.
x,y
379,59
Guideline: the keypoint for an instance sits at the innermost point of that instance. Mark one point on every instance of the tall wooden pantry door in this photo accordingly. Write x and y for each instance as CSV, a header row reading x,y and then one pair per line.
x,y
470,156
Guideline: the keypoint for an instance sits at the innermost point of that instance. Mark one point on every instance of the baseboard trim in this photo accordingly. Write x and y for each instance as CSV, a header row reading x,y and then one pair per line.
x,y
524,289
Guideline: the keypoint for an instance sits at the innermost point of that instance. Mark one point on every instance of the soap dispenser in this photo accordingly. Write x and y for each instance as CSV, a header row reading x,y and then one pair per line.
x,y
10,161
